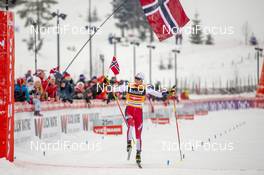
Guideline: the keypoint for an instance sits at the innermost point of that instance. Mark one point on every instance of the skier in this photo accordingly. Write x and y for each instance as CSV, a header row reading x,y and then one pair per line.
x,y
136,94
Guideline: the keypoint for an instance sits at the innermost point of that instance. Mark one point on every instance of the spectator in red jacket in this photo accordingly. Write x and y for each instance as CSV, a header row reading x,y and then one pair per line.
x,y
41,74
79,90
52,88
185,95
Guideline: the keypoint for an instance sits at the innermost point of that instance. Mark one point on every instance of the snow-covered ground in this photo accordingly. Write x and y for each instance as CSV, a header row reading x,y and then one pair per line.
x,y
236,148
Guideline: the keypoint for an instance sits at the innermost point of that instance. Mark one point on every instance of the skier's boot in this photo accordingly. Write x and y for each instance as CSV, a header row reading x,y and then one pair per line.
x,y
129,149
129,145
138,157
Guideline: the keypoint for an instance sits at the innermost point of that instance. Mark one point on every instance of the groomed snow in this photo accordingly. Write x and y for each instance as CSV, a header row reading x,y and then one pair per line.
x,y
241,129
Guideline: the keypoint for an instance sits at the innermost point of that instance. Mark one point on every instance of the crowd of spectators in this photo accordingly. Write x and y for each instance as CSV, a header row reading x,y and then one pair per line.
x,y
59,87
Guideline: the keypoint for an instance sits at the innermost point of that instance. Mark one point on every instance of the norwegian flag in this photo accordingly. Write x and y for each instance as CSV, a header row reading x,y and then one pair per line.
x,y
164,16
54,70
114,66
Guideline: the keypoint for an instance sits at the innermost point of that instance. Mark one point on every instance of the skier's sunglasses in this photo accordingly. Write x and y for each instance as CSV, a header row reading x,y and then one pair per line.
x,y
139,79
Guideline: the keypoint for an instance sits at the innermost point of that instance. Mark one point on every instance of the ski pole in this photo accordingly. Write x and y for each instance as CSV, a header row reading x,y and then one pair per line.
x,y
177,126
120,109
122,113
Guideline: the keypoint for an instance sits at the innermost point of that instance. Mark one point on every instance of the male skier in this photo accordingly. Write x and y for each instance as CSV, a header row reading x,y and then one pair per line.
x,y
135,98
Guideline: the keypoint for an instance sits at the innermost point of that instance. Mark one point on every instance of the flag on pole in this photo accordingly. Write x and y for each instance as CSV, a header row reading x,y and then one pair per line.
x,y
164,16
114,66
54,70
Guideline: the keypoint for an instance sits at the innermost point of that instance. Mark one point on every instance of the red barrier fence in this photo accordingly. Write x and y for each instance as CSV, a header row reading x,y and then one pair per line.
x,y
7,59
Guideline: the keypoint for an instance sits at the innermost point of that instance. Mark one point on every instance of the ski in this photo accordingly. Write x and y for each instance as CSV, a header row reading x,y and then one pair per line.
x,y
129,154
139,165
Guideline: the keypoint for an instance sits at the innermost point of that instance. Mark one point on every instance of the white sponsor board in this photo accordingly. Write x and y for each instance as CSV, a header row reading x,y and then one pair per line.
x,y
47,126
24,127
74,123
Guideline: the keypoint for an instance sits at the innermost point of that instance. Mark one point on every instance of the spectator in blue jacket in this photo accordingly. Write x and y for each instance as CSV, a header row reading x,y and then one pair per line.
x,y
21,91
66,90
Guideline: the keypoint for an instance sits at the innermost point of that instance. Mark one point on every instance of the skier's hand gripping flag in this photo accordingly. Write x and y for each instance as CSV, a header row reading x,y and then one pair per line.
x,y
164,16
54,70
114,66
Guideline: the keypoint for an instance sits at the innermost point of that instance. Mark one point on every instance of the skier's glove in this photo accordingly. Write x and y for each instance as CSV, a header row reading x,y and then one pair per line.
x,y
106,80
165,95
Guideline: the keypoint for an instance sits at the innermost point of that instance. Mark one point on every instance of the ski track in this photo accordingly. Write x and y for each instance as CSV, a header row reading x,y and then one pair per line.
x,y
243,128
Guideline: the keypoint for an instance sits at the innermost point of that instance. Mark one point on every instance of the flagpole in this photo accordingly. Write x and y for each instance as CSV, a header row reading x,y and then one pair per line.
x,y
119,106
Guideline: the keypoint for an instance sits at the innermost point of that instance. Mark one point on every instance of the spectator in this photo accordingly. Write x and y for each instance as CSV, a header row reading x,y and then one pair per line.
x,y
79,90
37,104
38,89
88,95
41,74
110,95
38,96
101,94
82,79
185,95
52,88
93,87
29,76
66,88
30,85
21,91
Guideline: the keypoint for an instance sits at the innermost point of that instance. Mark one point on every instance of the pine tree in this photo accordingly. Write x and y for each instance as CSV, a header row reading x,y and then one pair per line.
x,y
196,36
11,3
95,17
130,17
209,40
38,11
142,35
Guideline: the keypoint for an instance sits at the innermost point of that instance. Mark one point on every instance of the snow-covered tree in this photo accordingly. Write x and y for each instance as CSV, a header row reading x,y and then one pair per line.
x,y
94,16
38,11
130,16
11,3
197,34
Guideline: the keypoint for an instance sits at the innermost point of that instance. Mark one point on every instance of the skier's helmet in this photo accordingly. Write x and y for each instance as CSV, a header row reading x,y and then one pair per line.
x,y
140,76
